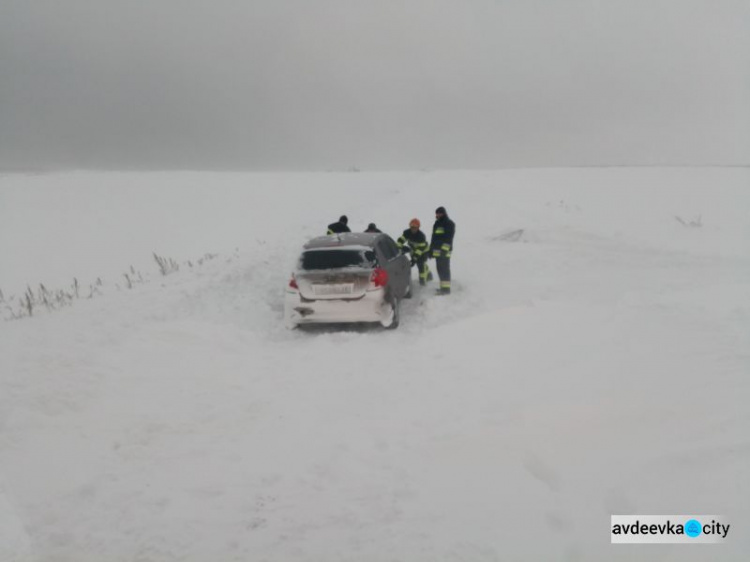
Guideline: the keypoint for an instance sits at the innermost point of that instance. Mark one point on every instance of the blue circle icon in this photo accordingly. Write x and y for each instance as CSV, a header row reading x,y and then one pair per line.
x,y
693,528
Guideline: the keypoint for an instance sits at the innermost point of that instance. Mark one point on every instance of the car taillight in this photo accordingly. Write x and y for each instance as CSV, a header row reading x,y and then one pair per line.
x,y
379,277
293,283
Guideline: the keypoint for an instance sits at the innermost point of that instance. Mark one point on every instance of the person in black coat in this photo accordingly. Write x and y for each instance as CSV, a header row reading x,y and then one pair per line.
x,y
441,248
414,240
339,227
373,229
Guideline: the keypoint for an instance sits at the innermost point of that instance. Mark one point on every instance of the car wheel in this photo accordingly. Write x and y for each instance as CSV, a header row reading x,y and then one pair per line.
x,y
393,317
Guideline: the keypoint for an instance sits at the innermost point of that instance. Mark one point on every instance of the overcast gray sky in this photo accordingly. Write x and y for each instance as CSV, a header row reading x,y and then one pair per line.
x,y
318,84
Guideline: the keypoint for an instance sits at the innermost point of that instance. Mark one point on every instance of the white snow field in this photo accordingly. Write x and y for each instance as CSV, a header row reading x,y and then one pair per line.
x,y
597,364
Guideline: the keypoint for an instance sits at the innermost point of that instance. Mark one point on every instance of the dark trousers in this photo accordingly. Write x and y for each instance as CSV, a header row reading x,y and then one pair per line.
x,y
422,268
444,272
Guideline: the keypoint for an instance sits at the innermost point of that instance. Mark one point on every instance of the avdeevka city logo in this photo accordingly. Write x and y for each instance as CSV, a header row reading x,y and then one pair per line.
x,y
693,528
686,529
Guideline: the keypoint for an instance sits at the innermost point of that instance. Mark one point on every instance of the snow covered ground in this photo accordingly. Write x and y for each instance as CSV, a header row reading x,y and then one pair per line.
x,y
598,364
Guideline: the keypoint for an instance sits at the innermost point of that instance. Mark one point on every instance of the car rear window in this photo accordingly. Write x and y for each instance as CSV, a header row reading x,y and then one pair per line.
x,y
336,259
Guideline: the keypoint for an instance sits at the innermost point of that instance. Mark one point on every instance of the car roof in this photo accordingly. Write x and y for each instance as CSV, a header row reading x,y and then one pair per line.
x,y
345,239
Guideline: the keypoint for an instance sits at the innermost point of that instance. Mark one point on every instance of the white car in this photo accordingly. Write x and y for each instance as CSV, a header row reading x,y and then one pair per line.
x,y
350,277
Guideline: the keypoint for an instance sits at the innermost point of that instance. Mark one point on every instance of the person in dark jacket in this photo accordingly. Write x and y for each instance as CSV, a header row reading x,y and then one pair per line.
x,y
373,229
339,227
413,240
441,248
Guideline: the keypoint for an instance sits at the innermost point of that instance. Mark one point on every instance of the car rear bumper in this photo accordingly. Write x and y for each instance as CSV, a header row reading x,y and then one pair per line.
x,y
369,308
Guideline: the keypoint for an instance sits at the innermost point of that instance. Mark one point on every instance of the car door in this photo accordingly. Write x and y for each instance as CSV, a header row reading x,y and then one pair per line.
x,y
398,266
403,267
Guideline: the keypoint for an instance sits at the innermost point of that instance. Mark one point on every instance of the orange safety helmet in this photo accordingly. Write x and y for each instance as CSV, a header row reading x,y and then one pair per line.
x,y
414,222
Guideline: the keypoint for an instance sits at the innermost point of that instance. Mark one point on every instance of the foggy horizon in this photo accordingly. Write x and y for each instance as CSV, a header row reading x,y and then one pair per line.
x,y
273,86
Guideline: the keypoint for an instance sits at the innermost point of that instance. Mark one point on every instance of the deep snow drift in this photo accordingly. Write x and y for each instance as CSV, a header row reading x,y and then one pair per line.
x,y
598,363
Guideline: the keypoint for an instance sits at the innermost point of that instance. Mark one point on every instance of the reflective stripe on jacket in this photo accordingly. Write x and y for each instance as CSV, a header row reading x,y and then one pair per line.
x,y
442,237
416,241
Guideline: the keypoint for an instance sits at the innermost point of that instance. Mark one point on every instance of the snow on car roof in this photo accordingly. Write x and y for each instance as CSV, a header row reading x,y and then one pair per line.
x,y
349,240
342,247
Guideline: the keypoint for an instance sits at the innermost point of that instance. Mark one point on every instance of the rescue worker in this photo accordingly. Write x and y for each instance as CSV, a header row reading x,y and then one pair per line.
x,y
441,247
339,227
373,229
414,240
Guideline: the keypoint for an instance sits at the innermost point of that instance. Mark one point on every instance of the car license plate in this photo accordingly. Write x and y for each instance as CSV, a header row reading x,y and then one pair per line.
x,y
337,289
